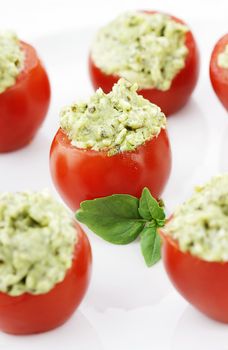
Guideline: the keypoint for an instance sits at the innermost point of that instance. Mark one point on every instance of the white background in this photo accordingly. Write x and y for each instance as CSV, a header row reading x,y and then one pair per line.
x,y
128,306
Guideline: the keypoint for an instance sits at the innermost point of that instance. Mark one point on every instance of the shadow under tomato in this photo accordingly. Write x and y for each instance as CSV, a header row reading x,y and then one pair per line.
x,y
121,278
77,333
196,331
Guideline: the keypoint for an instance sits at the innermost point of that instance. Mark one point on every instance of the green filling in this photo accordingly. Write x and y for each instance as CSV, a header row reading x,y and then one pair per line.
x,y
148,49
223,58
11,60
200,225
118,121
37,239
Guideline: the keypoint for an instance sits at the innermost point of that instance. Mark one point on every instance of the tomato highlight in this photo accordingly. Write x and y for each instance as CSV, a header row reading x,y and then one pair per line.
x,y
82,174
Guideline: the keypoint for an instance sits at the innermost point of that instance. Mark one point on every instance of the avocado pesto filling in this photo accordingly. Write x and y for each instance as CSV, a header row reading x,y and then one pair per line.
x,y
147,49
200,225
118,121
223,58
11,60
37,239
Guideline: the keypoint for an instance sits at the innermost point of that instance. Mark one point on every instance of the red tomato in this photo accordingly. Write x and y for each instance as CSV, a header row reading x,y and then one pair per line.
x,y
218,75
85,174
181,88
204,284
28,313
24,105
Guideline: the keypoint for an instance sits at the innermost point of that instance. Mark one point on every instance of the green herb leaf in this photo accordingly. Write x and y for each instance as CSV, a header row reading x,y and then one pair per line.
x,y
121,218
114,218
150,245
149,208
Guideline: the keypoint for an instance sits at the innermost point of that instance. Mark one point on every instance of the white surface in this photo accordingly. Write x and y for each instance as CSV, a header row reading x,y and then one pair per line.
x,y
128,306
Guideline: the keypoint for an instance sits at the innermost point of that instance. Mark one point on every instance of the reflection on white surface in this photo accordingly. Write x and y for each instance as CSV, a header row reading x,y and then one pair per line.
x,y
196,331
142,328
121,278
70,336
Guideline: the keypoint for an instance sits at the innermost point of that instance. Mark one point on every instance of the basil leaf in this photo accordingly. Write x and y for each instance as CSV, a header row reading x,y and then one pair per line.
x,y
149,208
114,218
150,245
121,218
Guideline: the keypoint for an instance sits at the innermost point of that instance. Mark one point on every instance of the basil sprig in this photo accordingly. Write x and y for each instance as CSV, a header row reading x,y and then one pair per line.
x,y
121,218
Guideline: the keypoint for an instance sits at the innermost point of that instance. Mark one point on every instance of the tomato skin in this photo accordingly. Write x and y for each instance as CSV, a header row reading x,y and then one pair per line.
x,y
203,284
24,105
218,75
85,174
182,86
28,314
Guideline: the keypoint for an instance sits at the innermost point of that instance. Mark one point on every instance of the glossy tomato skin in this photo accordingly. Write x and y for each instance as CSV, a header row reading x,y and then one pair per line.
x,y
218,75
85,174
28,314
182,86
203,284
24,105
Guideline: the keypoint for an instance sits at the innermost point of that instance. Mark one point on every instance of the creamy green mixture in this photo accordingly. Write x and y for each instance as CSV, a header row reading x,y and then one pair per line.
x,y
37,239
118,121
11,60
223,58
147,49
200,225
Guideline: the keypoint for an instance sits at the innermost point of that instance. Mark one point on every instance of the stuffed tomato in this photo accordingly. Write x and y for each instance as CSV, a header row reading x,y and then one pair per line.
x,y
24,93
114,143
155,50
195,249
219,70
45,263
